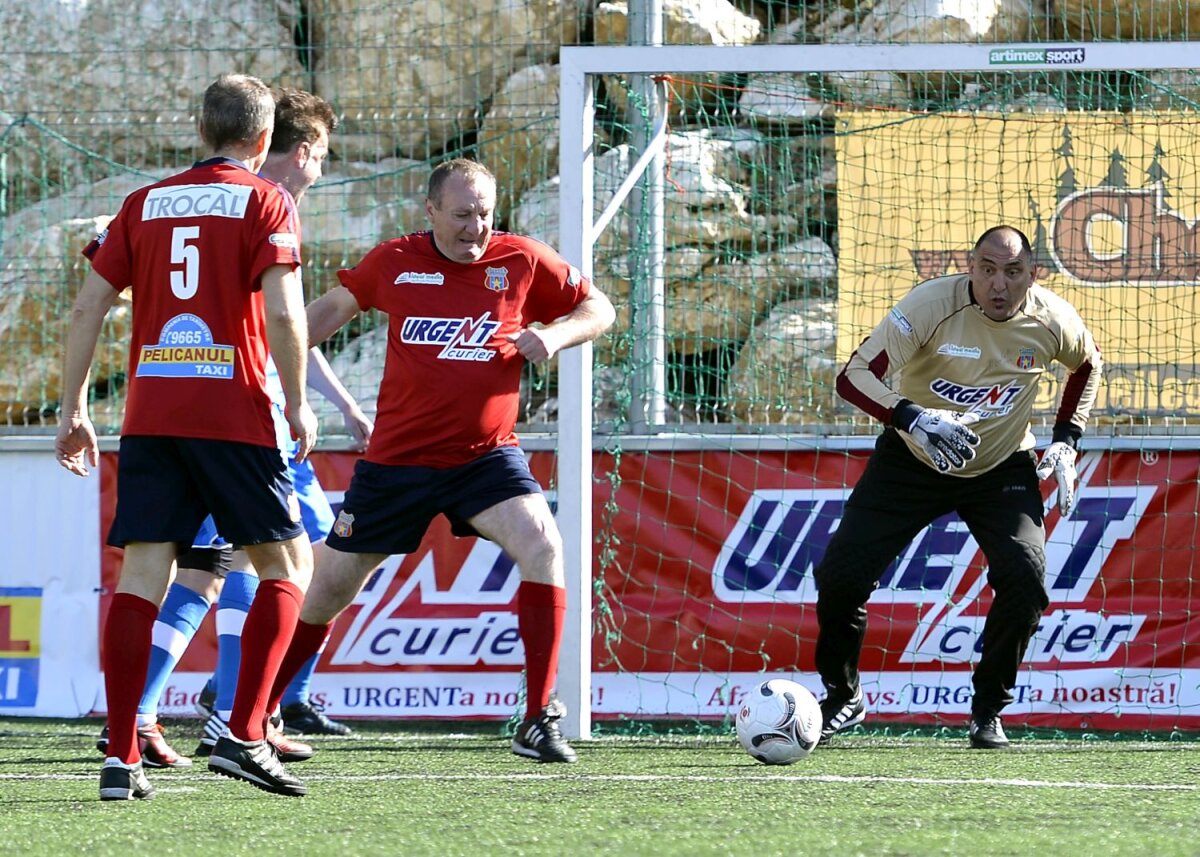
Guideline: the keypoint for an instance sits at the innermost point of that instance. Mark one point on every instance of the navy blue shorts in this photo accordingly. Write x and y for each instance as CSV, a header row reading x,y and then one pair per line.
x,y
166,486
315,514
216,560
388,508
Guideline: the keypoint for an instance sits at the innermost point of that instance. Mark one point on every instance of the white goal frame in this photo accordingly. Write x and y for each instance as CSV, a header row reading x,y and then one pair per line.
x,y
578,233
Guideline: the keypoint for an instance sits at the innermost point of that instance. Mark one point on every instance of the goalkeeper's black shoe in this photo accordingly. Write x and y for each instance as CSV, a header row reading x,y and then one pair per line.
x,y
986,733
539,737
839,714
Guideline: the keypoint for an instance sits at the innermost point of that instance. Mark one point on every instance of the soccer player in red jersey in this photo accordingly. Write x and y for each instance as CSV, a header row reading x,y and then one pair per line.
x,y
460,301
211,569
212,256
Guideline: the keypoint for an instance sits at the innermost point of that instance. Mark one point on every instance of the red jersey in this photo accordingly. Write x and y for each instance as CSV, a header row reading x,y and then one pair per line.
x,y
451,381
194,247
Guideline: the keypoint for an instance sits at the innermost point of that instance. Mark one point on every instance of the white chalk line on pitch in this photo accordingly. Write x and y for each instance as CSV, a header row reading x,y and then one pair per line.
x,y
166,783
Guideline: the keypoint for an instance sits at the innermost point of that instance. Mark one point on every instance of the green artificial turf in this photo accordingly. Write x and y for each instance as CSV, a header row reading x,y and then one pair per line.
x,y
394,789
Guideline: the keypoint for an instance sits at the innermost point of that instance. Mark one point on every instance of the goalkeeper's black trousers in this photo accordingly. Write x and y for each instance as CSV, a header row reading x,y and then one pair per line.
x,y
897,496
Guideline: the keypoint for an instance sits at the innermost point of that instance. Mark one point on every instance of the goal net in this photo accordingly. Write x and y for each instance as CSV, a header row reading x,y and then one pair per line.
x,y
788,197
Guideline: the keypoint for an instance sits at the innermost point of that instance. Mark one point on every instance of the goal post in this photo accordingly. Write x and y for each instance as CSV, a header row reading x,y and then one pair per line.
x,y
1151,428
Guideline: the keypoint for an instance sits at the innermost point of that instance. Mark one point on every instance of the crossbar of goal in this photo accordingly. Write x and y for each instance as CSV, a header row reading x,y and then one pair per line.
x,y
578,234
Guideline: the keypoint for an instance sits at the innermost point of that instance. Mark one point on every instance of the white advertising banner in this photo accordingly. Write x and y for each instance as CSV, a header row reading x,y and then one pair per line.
x,y
49,587
889,695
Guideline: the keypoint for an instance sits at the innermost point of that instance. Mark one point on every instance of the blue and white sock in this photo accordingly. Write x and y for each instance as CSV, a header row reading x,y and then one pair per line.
x,y
298,689
182,612
236,597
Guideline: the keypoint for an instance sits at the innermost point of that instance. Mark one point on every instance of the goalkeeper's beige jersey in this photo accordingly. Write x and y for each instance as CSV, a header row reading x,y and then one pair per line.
x,y
941,351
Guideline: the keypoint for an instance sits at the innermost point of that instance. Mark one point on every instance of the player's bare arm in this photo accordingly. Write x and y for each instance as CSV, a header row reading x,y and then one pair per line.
x,y
75,446
328,313
594,315
287,334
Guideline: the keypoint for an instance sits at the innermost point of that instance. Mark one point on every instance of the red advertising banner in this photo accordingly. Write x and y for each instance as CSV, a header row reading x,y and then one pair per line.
x,y
705,563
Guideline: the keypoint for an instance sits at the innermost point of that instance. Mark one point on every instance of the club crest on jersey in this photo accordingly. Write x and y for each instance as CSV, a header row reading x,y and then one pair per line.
x,y
459,338
1025,358
344,525
995,400
497,279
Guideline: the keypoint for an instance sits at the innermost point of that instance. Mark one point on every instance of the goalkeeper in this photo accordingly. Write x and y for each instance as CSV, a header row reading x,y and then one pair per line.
x,y
966,352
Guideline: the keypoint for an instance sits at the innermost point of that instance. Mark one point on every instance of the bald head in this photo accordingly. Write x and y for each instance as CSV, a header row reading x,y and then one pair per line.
x,y
1005,237
1001,271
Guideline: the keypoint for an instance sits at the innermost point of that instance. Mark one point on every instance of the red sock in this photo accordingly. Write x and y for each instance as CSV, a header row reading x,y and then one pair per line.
x,y
127,640
306,643
541,609
266,635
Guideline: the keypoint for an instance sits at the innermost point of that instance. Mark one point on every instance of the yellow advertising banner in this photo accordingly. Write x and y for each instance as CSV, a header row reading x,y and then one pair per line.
x,y
1110,202
20,622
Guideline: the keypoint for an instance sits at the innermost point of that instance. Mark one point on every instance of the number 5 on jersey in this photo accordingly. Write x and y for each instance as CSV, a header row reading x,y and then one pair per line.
x,y
185,283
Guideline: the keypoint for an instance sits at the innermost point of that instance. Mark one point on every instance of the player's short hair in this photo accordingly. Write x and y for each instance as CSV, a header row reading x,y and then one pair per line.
x,y
468,169
1026,247
300,117
237,108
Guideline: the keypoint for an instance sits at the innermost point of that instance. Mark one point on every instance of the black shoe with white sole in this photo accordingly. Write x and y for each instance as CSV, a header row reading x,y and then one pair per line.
x,y
839,714
256,763
119,781
540,738
206,700
308,718
986,733
214,727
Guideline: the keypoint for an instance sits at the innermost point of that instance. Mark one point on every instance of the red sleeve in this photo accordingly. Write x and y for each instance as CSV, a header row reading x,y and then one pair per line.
x,y
558,286
364,278
849,387
109,252
276,240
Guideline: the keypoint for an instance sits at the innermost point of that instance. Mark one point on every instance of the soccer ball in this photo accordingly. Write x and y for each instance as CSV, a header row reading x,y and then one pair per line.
x,y
779,722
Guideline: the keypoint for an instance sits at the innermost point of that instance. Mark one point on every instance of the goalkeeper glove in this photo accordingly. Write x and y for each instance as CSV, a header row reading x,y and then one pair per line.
x,y
945,437
1059,459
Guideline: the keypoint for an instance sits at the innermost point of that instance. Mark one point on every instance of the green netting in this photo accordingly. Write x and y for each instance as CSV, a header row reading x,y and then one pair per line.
x,y
783,193
800,207
753,255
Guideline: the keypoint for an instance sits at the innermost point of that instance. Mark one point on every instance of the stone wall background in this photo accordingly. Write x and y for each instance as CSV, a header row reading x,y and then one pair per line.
x,y
98,97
